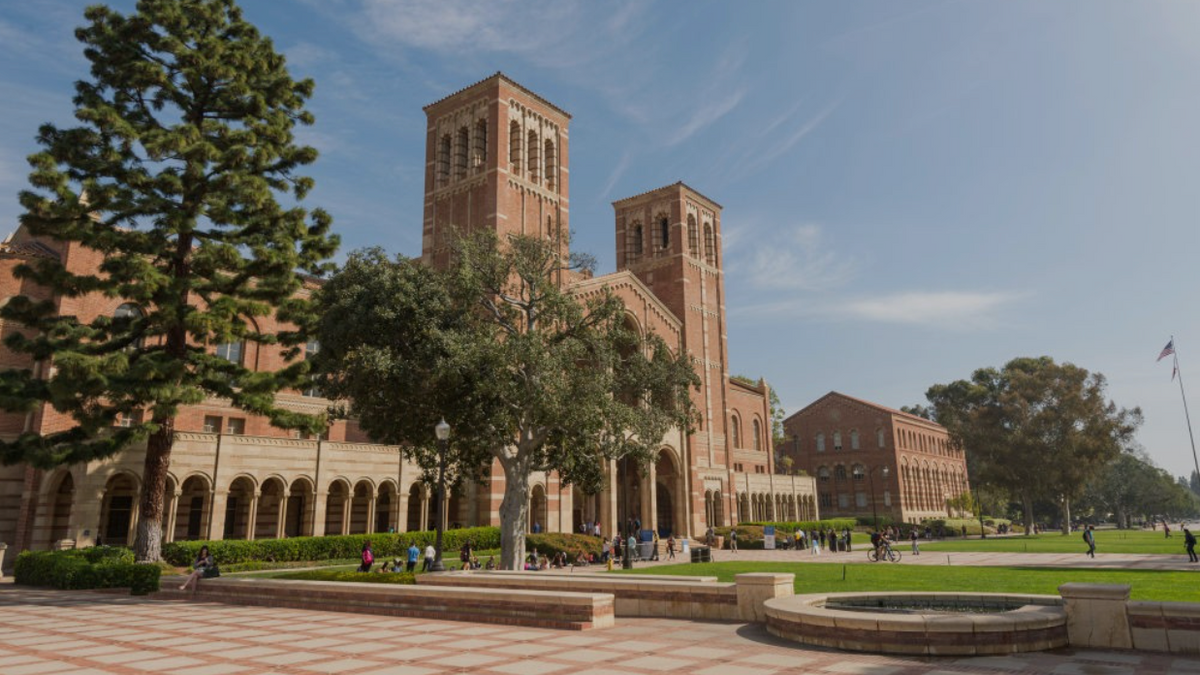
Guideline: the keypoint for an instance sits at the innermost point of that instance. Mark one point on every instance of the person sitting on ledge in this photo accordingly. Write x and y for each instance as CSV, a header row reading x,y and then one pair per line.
x,y
491,563
204,566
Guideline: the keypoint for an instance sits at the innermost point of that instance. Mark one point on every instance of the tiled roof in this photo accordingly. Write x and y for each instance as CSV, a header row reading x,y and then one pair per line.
x,y
668,187
883,408
27,249
501,75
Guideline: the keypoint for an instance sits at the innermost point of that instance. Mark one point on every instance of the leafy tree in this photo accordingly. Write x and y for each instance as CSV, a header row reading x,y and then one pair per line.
x,y
526,373
919,410
186,138
1129,485
1035,428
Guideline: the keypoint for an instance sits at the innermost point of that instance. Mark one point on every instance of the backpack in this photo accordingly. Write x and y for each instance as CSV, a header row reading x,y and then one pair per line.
x,y
1085,535
368,557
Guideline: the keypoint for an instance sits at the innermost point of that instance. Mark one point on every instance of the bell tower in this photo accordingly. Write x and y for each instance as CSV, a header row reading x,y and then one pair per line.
x,y
670,238
495,158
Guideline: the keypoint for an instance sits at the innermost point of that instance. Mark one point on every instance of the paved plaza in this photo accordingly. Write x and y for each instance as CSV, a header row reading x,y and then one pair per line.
x,y
930,556
90,633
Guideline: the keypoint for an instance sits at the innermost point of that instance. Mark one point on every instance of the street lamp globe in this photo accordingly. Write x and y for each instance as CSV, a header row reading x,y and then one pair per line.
x,y
442,430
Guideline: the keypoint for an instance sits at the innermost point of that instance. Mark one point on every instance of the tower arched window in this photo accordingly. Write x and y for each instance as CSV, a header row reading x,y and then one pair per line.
x,y
854,439
693,236
859,472
479,156
879,437
310,350
820,442
837,440
664,233
823,474
735,431
443,161
634,246
757,429
514,148
551,165
535,174
839,473
126,314
710,245
461,146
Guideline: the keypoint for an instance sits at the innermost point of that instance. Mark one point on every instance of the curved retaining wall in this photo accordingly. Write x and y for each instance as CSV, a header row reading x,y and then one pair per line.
x,y
1041,623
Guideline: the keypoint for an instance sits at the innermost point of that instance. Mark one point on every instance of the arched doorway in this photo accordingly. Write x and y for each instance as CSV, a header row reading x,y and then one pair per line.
x,y
238,508
299,518
415,518
667,485
192,510
117,510
360,507
269,522
60,508
629,505
537,509
385,503
335,506
585,510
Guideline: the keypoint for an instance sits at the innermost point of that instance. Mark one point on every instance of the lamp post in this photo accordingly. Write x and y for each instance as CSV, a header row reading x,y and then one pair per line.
x,y
871,478
443,439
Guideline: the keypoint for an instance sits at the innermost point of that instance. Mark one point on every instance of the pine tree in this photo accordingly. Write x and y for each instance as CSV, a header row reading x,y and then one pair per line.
x,y
184,144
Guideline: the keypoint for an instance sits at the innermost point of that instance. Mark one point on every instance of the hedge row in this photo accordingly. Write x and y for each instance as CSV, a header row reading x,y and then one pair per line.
x,y
76,569
183,553
361,577
838,524
551,544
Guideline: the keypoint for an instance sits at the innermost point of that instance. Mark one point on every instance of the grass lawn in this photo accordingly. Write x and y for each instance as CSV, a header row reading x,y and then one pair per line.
x,y
348,566
1107,541
827,578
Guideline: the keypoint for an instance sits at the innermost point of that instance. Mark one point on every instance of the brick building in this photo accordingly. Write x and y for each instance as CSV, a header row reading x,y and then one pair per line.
x,y
496,158
869,459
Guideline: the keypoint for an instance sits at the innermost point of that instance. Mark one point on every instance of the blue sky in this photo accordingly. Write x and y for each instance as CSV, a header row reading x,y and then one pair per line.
x,y
911,190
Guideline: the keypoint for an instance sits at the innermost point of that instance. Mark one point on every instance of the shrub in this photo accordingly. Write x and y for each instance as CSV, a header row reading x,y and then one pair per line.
x,y
838,524
341,575
551,544
230,551
77,569
952,527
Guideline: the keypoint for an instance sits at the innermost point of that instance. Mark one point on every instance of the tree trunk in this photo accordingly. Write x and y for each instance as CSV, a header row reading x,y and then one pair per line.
x,y
1122,519
1066,515
514,511
147,546
1027,510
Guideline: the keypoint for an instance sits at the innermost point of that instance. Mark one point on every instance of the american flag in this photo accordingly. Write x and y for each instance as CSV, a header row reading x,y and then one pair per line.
x,y
1167,351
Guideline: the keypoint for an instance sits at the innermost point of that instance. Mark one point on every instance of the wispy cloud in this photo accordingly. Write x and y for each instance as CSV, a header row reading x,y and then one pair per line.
x,y
943,310
793,259
711,111
770,147
615,176
465,25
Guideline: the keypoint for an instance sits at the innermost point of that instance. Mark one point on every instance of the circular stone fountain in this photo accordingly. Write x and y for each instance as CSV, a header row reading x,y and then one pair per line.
x,y
921,623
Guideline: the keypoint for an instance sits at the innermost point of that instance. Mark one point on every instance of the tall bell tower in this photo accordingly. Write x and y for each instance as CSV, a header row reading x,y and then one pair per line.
x,y
496,159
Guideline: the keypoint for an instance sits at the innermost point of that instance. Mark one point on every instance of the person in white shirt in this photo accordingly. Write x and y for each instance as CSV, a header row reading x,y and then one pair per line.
x,y
430,554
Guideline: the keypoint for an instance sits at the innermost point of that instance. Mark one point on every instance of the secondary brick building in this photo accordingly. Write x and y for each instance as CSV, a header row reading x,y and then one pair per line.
x,y
496,158
869,458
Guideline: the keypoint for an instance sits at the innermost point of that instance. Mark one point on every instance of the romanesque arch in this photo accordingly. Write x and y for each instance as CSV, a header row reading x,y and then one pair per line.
x,y
416,518
386,503
538,508
61,502
301,503
239,507
360,506
268,524
193,507
337,507
118,510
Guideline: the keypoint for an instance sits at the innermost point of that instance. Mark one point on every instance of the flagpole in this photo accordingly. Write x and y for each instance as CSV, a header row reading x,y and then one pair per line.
x,y
1186,416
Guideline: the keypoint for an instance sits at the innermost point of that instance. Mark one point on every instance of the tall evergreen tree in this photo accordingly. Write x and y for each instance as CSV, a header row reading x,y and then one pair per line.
x,y
185,143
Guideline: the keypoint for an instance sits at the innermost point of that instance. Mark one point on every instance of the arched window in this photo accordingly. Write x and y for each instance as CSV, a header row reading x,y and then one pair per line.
x,y
837,441
757,427
443,161
736,431
823,474
514,148
839,473
859,472
854,440
549,227
635,240
820,442
479,156
693,236
879,437
460,152
533,155
710,245
126,314
551,161
233,352
310,350
664,232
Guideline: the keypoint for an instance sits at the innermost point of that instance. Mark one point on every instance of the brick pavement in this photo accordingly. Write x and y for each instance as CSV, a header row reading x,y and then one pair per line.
x,y
87,633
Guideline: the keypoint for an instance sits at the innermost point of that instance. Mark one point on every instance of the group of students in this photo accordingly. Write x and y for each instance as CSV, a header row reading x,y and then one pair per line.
x,y
821,539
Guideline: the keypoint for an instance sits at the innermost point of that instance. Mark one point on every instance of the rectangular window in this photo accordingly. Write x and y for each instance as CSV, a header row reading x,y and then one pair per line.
x,y
212,424
860,499
128,419
231,351
843,501
887,498
235,425
826,500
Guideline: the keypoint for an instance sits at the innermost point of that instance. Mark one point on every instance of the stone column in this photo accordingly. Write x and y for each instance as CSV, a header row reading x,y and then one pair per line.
x,y
650,519
370,529
172,516
281,519
216,516
347,511
135,512
608,504
252,515
402,511
320,503
425,510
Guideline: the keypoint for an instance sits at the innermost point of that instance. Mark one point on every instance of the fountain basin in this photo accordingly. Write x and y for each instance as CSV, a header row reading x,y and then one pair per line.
x,y
921,623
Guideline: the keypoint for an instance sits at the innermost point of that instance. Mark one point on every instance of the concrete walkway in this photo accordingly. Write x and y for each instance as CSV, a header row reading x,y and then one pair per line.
x,y
1135,561
88,633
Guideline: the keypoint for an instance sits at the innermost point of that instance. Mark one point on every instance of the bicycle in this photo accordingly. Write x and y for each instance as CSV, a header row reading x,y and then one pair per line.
x,y
890,554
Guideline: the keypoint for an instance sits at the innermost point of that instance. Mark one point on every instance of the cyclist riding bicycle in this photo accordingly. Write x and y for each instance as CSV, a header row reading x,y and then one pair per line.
x,y
880,541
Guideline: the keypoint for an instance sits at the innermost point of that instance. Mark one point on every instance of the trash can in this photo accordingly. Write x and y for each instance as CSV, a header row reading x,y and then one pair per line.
x,y
646,550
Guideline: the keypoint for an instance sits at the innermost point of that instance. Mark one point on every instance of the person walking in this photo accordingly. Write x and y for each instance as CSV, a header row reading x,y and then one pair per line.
x,y
816,544
1189,540
430,554
733,539
413,553
671,547
368,557
915,541
1089,537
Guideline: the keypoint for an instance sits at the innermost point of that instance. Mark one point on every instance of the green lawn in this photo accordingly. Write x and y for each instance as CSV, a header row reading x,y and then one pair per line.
x,y
1107,541
827,578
